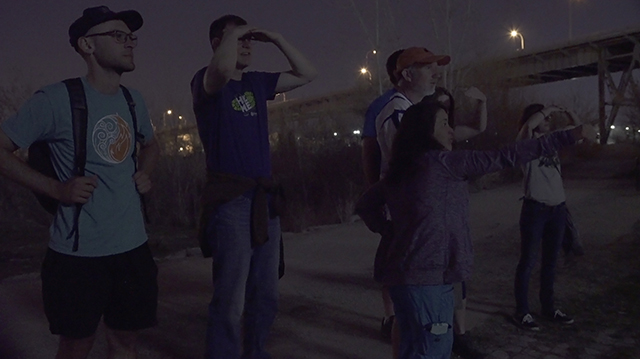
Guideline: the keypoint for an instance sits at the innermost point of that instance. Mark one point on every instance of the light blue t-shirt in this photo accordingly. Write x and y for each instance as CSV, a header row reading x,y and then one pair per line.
x,y
111,222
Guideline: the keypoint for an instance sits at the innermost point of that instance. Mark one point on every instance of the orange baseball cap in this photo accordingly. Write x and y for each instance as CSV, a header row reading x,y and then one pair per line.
x,y
419,55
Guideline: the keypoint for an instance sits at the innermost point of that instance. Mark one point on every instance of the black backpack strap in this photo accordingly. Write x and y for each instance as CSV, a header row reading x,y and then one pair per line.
x,y
79,119
138,138
134,118
79,116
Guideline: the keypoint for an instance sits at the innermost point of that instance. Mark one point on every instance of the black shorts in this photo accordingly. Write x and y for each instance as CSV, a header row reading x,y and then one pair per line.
x,y
78,291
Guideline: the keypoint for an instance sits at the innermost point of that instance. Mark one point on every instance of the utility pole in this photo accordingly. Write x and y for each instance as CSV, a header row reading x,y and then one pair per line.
x,y
570,21
378,47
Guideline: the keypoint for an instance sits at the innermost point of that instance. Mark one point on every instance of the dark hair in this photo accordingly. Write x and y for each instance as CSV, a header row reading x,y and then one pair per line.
x,y
449,108
413,139
217,26
529,111
392,60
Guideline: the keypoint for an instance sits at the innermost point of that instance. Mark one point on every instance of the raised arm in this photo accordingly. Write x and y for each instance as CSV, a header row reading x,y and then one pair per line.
x,y
463,164
575,120
302,71
526,132
462,132
222,66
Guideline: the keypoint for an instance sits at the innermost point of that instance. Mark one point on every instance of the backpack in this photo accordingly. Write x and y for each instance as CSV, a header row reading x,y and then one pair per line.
x,y
39,153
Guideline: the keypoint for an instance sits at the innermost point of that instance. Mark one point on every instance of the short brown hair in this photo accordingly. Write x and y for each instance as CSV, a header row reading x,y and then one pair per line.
x,y
217,26
391,66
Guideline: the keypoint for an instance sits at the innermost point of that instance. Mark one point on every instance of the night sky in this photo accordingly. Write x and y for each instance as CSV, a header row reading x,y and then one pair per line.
x,y
173,43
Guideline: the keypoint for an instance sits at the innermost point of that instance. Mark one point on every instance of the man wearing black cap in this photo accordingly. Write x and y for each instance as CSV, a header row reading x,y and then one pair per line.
x,y
106,272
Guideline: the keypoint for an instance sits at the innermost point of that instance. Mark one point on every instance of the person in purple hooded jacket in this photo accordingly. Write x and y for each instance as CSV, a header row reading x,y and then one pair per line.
x,y
427,196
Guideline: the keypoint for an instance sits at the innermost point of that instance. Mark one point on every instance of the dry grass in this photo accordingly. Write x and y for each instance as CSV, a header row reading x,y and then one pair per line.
x,y
604,292
315,154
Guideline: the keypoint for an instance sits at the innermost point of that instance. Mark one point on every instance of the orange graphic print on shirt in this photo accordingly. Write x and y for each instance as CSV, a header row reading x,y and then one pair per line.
x,y
112,139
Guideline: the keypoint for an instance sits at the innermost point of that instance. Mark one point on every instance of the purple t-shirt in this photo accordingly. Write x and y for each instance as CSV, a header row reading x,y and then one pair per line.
x,y
233,124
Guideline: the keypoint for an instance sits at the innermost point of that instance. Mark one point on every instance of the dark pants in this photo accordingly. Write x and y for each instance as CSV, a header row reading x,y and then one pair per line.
x,y
540,226
121,289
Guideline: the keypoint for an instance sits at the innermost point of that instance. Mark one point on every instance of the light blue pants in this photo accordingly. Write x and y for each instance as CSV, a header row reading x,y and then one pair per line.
x,y
245,282
420,312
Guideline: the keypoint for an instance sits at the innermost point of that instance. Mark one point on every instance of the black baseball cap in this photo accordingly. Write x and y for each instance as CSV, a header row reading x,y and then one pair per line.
x,y
97,15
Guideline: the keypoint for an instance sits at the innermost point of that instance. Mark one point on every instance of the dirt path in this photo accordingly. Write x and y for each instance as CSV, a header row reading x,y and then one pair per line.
x,y
330,307
599,289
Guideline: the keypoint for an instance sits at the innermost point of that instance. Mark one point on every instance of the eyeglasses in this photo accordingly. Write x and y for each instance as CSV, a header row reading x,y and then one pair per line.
x,y
121,37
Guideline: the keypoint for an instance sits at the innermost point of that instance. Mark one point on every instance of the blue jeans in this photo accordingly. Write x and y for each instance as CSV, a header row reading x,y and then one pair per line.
x,y
540,225
417,309
245,282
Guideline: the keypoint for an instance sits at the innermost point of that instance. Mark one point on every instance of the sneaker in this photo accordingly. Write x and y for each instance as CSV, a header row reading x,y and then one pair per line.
x,y
386,326
559,317
464,348
526,322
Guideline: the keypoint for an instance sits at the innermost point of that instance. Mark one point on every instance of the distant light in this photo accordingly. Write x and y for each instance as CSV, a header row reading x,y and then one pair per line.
x,y
168,112
335,133
613,127
181,149
356,132
626,128
180,117
364,70
515,33
375,52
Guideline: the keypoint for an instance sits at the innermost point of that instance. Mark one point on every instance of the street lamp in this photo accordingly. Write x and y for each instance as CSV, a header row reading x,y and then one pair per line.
x,y
515,33
374,52
365,71
164,118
